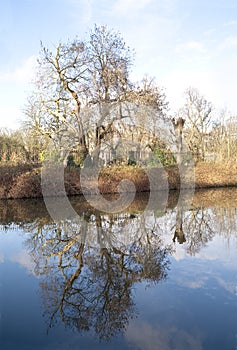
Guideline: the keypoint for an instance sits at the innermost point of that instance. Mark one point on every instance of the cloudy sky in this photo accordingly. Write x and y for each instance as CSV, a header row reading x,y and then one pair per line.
x,y
181,43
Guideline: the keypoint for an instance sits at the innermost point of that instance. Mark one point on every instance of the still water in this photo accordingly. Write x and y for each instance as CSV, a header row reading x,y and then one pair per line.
x,y
161,278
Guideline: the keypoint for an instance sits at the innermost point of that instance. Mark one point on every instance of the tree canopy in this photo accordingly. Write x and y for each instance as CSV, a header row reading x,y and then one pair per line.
x,y
84,97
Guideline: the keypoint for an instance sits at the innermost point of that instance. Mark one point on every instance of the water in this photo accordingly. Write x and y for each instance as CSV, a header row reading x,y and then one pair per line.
x,y
163,278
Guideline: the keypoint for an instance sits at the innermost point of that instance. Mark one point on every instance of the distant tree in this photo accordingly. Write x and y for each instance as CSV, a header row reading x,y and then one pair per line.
x,y
197,113
223,138
12,147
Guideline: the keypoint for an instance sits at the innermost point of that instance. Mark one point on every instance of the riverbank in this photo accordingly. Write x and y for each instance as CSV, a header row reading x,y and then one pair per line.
x,y
30,210
24,181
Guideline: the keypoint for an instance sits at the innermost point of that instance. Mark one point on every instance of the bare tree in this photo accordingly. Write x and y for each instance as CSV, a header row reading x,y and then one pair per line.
x,y
223,138
84,96
197,114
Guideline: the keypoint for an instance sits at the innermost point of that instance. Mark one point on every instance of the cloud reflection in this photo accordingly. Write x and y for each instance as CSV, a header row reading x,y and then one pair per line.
x,y
147,337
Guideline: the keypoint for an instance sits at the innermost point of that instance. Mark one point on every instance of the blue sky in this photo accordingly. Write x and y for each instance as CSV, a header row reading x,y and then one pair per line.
x,y
181,43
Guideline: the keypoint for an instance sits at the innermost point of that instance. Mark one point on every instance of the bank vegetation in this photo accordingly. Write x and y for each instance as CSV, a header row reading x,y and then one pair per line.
x,y
85,111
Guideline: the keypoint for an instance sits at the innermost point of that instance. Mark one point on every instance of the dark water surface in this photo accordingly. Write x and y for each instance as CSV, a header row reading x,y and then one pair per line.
x,y
162,278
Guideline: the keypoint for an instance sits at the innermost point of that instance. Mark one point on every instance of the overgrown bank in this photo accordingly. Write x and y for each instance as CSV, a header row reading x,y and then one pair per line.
x,y
25,181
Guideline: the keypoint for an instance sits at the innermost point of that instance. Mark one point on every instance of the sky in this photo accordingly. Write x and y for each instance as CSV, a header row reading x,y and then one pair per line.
x,y
182,43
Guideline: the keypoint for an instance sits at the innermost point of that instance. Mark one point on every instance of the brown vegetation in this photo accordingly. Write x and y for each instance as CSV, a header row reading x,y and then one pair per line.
x,y
25,181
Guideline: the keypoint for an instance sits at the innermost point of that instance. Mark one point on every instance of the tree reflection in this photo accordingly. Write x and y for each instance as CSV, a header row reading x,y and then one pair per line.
x,y
195,227
199,228
179,232
89,269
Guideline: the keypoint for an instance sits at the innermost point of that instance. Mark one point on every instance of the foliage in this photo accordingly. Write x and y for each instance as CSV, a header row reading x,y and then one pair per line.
x,y
161,157
12,148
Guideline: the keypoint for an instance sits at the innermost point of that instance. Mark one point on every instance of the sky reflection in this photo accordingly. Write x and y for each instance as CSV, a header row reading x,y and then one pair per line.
x,y
167,295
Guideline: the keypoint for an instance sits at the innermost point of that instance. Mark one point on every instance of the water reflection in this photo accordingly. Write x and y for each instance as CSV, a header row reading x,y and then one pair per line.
x,y
88,268
195,227
89,284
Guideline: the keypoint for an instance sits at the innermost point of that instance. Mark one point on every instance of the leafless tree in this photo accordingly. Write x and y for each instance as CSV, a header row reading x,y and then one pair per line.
x,y
223,138
197,113
84,97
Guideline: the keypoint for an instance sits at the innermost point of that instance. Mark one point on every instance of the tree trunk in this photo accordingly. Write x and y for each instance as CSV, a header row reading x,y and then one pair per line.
x,y
178,127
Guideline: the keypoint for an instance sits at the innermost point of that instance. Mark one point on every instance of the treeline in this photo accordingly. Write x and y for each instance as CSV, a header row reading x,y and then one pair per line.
x,y
215,141
85,109
19,147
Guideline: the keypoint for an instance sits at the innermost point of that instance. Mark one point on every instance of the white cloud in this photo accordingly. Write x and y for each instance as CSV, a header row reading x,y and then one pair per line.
x,y
179,80
127,7
14,87
180,252
230,23
80,11
228,43
10,116
218,85
22,74
229,286
24,259
147,337
191,45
